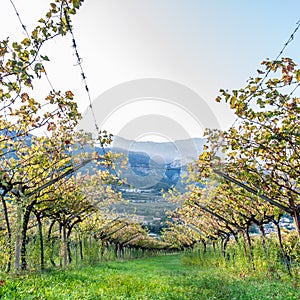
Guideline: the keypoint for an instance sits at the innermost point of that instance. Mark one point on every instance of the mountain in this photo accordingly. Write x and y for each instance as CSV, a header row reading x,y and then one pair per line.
x,y
156,166
184,151
151,166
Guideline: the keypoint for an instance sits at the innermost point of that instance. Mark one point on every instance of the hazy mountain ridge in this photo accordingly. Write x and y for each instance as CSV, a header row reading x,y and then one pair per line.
x,y
156,166
183,150
151,165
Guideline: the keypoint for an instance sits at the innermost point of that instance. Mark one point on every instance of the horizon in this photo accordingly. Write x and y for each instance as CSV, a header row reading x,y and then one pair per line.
x,y
153,140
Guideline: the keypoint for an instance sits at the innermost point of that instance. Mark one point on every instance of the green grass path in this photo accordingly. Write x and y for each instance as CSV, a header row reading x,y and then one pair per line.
x,y
163,277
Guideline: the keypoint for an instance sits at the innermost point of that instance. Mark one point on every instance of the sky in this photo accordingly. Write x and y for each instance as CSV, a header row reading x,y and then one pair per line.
x,y
167,50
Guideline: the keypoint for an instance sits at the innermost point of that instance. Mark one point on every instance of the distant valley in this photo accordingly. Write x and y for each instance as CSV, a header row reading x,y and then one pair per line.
x,y
153,168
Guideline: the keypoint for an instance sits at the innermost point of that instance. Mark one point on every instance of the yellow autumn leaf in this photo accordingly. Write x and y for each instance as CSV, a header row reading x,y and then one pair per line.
x,y
297,75
26,42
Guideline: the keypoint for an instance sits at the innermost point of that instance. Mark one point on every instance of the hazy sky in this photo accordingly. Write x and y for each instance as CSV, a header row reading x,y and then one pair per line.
x,y
203,45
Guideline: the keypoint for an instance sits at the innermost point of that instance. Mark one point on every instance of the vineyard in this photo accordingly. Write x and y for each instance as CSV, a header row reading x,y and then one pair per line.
x,y
58,189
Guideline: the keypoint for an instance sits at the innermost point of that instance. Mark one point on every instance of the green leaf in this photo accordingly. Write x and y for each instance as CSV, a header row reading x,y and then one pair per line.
x,y
46,58
76,4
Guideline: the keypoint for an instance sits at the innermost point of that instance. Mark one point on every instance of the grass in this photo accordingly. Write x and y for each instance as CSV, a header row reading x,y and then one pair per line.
x,y
163,277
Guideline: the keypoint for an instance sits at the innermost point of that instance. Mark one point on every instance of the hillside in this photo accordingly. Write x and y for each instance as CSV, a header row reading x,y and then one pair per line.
x,y
157,166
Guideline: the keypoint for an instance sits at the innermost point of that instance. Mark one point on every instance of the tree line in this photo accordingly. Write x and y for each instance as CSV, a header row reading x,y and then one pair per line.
x,y
250,172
